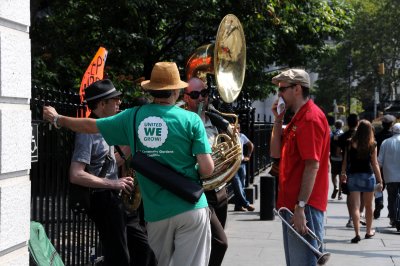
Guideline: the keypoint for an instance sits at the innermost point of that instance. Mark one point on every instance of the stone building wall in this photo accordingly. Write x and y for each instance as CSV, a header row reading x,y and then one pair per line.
x,y
15,131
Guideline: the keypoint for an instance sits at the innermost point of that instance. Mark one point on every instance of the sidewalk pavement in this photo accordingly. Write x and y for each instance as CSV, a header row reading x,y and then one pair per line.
x,y
255,242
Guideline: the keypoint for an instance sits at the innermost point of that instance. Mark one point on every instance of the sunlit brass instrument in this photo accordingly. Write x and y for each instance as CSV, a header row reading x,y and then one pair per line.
x,y
226,59
132,200
322,258
227,157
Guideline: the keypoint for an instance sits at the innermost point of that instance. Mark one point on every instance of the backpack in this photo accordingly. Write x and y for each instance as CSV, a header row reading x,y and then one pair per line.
x,y
40,247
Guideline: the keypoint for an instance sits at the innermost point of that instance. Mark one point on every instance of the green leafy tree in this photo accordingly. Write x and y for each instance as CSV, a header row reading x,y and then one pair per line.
x,y
373,39
66,34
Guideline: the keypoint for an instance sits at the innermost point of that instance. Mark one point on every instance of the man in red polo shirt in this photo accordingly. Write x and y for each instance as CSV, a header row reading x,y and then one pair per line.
x,y
303,149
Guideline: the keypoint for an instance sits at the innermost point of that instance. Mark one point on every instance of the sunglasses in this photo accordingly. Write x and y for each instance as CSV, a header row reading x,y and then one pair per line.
x,y
196,94
283,89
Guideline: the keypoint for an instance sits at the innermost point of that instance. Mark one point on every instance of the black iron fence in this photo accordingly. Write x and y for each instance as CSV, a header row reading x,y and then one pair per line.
x,y
260,135
259,132
74,236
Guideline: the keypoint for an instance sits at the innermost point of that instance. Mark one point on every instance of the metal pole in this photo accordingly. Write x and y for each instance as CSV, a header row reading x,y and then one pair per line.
x,y
381,72
350,65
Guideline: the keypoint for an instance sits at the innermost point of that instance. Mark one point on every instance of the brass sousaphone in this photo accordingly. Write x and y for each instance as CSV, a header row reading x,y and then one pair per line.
x,y
226,59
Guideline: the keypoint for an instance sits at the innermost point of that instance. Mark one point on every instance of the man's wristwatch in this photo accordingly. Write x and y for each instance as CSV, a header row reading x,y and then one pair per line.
x,y
55,121
301,204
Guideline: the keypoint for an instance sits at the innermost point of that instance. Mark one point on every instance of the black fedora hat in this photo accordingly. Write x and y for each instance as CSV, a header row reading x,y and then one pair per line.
x,y
101,90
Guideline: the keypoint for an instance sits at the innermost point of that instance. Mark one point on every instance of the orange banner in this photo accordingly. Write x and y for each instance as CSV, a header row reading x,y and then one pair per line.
x,y
94,72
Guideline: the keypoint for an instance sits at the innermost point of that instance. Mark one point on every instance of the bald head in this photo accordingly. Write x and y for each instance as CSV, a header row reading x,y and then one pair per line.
x,y
195,84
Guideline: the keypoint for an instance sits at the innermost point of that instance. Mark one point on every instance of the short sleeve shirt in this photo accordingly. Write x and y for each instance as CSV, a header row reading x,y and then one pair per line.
x,y
389,158
92,149
243,140
170,135
306,137
211,130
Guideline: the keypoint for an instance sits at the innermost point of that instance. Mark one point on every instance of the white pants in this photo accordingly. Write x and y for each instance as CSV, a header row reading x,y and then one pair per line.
x,y
182,240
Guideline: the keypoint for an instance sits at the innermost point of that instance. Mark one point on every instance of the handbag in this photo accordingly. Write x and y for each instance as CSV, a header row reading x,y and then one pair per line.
x,y
163,175
79,196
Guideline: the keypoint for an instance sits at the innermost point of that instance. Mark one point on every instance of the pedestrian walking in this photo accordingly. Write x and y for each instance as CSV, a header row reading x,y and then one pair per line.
x,y
360,170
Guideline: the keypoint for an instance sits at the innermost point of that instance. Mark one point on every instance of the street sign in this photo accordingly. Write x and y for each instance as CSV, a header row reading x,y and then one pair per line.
x,y
34,143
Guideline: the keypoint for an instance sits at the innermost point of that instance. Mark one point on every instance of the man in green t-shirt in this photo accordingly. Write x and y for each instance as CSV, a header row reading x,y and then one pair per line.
x,y
179,231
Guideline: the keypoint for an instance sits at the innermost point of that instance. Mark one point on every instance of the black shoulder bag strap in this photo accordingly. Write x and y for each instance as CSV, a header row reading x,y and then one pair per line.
x,y
107,160
120,152
106,164
163,175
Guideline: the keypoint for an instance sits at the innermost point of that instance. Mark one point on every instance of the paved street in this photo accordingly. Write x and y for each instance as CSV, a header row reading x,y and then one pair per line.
x,y
255,242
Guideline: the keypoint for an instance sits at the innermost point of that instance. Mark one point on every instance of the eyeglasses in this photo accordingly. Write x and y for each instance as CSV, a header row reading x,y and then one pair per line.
x,y
196,94
283,89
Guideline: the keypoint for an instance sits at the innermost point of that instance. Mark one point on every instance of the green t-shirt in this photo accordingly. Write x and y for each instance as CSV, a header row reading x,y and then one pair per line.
x,y
172,136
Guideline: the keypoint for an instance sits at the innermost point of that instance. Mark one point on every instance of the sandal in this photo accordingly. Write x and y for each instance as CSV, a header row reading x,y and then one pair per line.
x,y
368,236
356,239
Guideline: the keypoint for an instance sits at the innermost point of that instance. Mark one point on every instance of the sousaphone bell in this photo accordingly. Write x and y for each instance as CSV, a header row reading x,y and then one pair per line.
x,y
226,60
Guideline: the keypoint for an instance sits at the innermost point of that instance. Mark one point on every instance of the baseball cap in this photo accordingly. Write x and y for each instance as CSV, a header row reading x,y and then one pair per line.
x,y
293,76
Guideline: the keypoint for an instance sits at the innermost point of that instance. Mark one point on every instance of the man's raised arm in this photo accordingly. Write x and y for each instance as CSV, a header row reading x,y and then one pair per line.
x,y
82,125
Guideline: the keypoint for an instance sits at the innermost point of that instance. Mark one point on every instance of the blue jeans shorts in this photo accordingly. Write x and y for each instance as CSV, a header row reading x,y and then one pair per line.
x,y
362,182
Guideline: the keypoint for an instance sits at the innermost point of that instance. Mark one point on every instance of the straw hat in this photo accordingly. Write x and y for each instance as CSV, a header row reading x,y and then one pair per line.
x,y
164,76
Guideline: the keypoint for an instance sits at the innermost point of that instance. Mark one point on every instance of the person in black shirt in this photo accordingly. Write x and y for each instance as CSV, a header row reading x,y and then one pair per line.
x,y
385,133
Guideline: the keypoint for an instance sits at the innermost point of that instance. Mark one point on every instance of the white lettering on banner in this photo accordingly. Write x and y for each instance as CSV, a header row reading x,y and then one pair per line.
x,y
153,131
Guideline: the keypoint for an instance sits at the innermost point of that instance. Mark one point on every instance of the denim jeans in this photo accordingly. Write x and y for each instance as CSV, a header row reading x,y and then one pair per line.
x,y
238,187
297,253
362,182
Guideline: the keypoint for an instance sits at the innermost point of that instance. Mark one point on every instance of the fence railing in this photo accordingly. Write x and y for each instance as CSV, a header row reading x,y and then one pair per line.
x,y
261,135
72,235
75,235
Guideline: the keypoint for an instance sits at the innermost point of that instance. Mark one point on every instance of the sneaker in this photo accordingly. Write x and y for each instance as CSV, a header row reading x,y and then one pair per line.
x,y
240,209
334,193
392,223
250,208
349,224
340,197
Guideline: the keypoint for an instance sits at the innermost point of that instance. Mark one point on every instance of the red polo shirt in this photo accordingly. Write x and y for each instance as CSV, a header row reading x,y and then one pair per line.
x,y
305,137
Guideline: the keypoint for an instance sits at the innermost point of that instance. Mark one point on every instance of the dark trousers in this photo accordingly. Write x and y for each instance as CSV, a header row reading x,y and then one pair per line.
x,y
110,219
139,250
123,238
218,203
392,190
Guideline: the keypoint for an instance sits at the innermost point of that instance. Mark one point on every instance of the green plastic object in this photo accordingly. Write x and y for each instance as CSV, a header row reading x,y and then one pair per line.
x,y
41,249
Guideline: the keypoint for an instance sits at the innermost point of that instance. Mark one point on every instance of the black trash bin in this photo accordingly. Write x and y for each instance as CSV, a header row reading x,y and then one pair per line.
x,y
267,197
